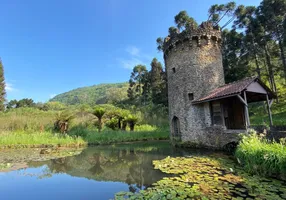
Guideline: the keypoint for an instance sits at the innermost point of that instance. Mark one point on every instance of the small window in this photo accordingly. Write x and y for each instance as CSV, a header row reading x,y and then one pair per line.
x,y
174,70
191,96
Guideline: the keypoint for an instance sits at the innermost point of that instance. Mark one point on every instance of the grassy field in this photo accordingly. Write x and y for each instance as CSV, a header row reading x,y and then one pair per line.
x,y
259,116
29,127
263,157
22,139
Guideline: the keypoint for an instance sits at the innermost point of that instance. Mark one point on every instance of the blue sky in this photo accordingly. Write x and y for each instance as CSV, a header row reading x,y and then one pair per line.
x,y
52,46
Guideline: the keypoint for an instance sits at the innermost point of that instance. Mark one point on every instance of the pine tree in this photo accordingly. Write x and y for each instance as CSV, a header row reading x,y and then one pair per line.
x,y
2,88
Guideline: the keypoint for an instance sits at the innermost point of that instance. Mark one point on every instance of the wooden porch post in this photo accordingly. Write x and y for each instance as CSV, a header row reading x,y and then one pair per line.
x,y
246,111
269,111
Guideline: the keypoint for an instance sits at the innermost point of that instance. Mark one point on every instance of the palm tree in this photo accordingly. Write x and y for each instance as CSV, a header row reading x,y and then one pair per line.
x,y
62,121
131,120
99,112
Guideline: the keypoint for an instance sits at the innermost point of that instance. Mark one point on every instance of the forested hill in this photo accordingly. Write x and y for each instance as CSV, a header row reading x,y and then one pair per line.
x,y
97,94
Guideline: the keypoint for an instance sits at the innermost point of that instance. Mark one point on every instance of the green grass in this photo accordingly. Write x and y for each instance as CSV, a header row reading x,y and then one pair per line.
x,y
37,139
261,156
259,115
107,136
30,127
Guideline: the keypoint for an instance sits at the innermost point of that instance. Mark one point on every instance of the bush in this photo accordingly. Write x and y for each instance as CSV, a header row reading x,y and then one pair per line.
x,y
261,156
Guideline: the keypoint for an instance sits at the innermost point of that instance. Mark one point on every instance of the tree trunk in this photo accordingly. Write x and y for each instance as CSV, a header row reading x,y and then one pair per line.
x,y
282,52
119,123
99,124
270,69
257,66
124,125
131,125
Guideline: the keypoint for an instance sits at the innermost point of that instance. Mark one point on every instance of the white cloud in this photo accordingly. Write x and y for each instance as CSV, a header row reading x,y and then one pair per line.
x,y
130,63
134,57
9,87
133,51
52,95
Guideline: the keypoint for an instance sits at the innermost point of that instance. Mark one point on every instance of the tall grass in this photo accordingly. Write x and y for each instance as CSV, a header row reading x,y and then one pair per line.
x,y
30,127
261,156
108,136
38,139
28,119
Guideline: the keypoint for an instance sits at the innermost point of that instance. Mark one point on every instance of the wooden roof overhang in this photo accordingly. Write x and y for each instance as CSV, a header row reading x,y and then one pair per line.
x,y
253,87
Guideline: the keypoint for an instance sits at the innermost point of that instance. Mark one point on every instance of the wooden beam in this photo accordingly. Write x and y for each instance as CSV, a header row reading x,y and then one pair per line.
x,y
242,100
246,111
270,103
269,111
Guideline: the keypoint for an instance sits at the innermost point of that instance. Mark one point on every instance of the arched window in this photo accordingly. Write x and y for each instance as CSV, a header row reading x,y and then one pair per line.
x,y
176,126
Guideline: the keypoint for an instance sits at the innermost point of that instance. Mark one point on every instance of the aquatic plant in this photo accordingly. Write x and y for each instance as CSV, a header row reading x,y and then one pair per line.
x,y
261,156
207,178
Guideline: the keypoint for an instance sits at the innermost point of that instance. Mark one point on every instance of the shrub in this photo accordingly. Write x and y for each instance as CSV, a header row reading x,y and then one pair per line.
x,y
261,156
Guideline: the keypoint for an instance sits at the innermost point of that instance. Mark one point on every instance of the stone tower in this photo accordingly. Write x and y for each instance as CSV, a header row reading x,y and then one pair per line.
x,y
193,63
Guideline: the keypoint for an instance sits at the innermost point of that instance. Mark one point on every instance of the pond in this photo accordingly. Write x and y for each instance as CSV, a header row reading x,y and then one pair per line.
x,y
101,172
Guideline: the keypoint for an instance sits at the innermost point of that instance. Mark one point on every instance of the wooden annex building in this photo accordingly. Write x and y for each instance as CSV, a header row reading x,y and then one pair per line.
x,y
229,103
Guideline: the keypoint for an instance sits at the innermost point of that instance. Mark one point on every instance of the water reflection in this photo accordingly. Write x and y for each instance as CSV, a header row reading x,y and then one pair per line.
x,y
96,173
130,164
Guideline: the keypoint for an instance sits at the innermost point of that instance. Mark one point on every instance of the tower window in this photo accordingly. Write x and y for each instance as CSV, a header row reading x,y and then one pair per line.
x,y
191,96
174,70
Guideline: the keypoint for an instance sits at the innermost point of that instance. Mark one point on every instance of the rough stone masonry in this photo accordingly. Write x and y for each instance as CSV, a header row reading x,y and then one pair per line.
x,y
194,67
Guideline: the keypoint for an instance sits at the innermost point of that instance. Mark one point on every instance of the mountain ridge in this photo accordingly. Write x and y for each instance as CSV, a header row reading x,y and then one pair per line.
x,y
95,94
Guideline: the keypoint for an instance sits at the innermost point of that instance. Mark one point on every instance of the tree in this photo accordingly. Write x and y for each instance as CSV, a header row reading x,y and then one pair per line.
x,y
184,21
62,121
131,120
25,103
234,61
245,18
12,104
157,83
2,88
218,12
272,14
136,83
99,112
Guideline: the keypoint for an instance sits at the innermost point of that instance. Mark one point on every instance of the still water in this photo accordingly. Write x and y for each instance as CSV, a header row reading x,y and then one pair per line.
x,y
96,173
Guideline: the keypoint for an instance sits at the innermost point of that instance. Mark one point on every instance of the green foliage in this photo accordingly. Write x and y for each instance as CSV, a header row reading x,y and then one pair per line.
x,y
234,61
62,121
138,77
158,83
54,105
99,112
184,21
26,119
206,177
112,124
21,103
261,156
218,12
259,115
147,87
131,120
2,88
111,137
97,94
23,139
